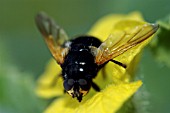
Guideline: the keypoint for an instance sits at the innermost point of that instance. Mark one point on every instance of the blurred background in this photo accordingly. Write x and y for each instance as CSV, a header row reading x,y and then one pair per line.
x,y
23,53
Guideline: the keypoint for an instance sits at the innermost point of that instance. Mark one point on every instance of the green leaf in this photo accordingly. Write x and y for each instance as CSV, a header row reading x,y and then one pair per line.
x,y
161,45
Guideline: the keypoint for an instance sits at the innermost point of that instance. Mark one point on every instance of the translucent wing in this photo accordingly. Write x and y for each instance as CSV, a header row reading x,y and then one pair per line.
x,y
116,45
54,36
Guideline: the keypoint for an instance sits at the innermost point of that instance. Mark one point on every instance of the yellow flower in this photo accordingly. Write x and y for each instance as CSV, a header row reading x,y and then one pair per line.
x,y
116,82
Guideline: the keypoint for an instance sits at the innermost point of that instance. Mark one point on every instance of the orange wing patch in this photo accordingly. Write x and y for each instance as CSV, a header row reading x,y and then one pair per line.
x,y
54,36
113,47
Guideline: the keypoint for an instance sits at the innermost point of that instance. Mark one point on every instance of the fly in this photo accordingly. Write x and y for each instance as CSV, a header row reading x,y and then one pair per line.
x,y
81,58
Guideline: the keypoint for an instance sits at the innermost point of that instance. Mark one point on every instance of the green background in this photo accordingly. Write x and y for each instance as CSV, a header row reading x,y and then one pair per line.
x,y
23,53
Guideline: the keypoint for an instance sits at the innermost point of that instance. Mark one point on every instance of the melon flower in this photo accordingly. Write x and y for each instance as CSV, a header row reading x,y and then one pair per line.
x,y
117,83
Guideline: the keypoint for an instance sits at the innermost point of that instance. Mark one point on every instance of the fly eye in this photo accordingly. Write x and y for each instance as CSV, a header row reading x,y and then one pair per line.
x,y
70,82
82,82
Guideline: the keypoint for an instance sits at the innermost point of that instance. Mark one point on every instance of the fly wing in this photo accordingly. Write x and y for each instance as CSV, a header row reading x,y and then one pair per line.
x,y
116,45
54,36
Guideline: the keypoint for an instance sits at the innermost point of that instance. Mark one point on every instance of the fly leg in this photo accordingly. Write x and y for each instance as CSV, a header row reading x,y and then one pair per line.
x,y
118,63
95,86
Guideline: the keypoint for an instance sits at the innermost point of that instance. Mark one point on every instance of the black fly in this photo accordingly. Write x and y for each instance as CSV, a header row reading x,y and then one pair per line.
x,y
81,58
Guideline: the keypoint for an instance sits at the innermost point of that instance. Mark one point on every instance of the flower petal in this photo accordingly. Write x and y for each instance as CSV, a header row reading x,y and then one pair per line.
x,y
48,86
104,26
128,26
107,101
117,26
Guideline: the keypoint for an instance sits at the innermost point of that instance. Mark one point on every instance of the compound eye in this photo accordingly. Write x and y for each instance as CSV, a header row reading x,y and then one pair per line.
x,y
70,82
82,82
